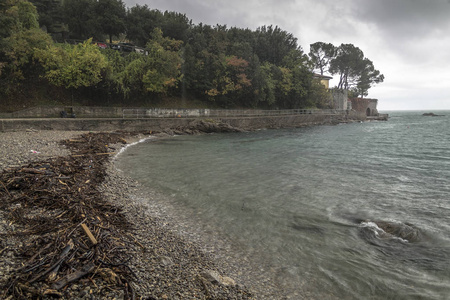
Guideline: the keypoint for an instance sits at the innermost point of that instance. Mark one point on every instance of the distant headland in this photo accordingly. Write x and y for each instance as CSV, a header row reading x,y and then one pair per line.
x,y
432,115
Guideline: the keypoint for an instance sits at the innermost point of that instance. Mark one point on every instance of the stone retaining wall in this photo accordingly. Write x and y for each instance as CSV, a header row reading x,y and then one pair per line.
x,y
159,124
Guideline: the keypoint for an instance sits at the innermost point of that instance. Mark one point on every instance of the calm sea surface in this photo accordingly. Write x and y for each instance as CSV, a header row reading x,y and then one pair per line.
x,y
309,202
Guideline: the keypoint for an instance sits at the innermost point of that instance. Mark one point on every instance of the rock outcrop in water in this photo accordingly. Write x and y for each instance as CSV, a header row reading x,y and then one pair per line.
x,y
206,126
404,231
431,115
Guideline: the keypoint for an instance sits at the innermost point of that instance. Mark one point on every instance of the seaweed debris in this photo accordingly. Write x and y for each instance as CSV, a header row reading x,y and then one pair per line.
x,y
71,234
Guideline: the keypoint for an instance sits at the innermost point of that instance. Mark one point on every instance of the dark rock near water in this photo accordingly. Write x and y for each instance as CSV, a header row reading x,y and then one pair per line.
x,y
208,126
432,115
405,231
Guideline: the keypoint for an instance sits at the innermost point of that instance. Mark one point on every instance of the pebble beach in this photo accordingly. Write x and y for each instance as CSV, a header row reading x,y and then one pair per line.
x,y
169,260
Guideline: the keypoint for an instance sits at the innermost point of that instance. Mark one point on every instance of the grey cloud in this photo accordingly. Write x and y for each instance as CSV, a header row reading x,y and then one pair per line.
x,y
237,13
405,18
406,39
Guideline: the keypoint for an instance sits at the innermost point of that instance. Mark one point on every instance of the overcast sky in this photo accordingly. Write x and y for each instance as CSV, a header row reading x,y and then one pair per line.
x,y
407,40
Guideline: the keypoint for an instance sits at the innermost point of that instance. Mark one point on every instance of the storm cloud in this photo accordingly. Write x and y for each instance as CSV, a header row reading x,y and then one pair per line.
x,y
406,39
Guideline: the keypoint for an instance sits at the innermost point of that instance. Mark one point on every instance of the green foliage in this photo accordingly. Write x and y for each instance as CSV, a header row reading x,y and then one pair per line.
x,y
20,49
319,95
20,39
110,15
321,55
347,64
220,66
28,17
140,23
81,18
156,72
368,77
264,84
355,71
17,15
175,25
231,79
51,16
273,44
73,66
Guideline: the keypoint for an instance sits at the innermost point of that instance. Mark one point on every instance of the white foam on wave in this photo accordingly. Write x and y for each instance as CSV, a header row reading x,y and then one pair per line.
x,y
132,144
380,233
374,227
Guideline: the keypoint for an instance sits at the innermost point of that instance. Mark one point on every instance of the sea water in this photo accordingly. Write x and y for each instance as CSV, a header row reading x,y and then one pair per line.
x,y
308,204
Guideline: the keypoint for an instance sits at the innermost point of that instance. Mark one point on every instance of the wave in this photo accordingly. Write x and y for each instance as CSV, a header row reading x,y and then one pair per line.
x,y
132,144
403,232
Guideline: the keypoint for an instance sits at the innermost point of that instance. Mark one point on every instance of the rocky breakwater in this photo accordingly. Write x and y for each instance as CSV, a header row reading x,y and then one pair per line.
x,y
206,126
69,232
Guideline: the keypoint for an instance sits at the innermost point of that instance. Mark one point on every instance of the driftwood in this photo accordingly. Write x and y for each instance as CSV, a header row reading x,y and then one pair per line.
x,y
32,171
5,188
62,258
64,188
73,276
89,234
55,267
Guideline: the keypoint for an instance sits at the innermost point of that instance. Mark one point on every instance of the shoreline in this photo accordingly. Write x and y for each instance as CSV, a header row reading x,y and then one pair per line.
x,y
165,261
225,253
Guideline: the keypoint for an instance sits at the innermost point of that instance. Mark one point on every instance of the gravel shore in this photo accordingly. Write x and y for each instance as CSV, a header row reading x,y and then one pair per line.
x,y
21,147
171,259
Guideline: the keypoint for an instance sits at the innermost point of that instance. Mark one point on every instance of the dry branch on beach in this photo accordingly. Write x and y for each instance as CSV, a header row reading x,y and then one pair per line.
x,y
54,203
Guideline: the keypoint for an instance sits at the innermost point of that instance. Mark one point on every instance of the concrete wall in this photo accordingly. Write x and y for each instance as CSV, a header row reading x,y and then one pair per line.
x,y
365,105
54,112
159,124
340,99
135,113
372,106
164,113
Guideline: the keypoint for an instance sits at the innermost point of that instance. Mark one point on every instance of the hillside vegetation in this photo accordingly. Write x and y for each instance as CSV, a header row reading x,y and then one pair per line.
x,y
167,60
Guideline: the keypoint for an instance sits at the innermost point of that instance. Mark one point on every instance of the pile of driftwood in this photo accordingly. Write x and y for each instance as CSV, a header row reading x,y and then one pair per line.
x,y
71,233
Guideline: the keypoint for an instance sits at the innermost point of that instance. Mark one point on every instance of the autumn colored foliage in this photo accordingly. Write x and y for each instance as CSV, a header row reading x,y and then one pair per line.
x,y
214,65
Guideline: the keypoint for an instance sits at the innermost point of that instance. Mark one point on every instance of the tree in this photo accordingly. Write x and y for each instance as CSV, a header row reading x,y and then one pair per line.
x,y
81,18
21,38
17,15
203,59
321,54
355,71
110,16
140,23
241,43
175,25
20,49
73,66
347,64
273,44
231,80
51,17
156,72
319,95
368,77
263,85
